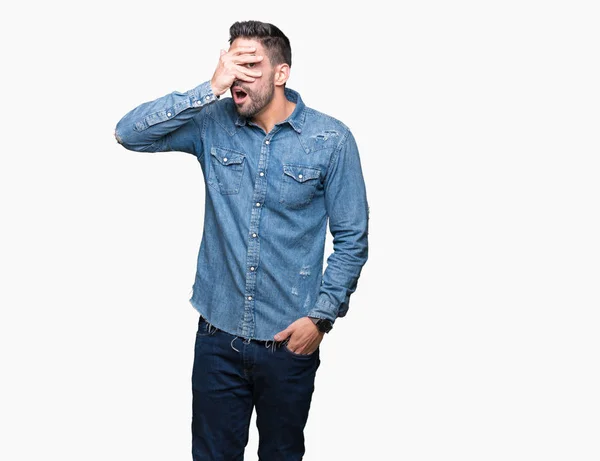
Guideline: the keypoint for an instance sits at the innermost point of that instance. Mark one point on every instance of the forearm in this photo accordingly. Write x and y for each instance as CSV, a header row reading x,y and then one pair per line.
x,y
151,121
343,270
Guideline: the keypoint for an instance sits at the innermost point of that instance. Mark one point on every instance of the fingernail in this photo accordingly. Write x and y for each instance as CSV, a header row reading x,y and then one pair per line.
x,y
277,337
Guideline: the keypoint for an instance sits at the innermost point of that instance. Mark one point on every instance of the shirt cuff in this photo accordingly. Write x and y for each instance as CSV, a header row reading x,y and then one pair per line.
x,y
203,94
324,309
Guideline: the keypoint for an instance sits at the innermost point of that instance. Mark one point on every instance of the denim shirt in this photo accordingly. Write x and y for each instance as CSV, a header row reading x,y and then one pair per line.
x,y
268,199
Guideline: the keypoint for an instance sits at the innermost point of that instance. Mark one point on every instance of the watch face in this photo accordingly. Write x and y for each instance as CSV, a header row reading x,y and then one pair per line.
x,y
324,325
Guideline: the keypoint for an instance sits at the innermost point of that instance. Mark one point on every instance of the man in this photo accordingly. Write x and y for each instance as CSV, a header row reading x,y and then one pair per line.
x,y
275,172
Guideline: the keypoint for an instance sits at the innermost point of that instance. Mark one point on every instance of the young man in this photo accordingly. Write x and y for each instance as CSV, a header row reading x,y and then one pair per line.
x,y
275,172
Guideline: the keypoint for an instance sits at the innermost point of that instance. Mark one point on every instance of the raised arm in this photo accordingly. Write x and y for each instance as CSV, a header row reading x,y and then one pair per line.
x,y
168,123
165,124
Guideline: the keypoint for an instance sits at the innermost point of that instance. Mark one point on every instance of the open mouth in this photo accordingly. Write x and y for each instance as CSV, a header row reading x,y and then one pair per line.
x,y
239,95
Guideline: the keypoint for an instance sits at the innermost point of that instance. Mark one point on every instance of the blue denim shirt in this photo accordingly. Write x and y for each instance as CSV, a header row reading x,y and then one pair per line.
x,y
268,198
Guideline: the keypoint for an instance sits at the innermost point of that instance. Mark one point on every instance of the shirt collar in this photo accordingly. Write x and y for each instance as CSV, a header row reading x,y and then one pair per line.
x,y
296,118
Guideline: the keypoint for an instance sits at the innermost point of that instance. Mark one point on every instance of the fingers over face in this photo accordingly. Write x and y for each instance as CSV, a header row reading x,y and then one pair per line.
x,y
242,50
248,72
244,78
244,58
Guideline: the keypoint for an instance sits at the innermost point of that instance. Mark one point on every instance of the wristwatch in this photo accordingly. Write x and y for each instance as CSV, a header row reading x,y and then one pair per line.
x,y
323,325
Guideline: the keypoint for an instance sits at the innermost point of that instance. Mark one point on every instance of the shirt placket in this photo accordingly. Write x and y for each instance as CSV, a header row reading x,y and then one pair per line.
x,y
253,254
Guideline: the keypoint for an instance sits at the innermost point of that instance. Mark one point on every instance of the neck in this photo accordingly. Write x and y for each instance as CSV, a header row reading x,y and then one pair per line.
x,y
276,111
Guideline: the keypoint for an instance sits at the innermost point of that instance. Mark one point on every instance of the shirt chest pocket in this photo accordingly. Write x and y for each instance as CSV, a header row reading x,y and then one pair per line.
x,y
298,185
226,170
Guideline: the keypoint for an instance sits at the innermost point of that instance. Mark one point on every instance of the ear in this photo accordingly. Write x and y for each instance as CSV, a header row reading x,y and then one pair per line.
x,y
282,74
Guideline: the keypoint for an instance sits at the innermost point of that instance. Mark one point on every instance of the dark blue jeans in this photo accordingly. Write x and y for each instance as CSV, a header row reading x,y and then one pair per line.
x,y
230,377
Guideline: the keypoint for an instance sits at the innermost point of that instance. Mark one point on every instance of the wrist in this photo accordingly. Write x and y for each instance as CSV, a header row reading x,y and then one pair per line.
x,y
323,325
216,91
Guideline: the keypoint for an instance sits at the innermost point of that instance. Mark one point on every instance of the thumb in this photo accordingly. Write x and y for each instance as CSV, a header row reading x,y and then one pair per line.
x,y
283,334
222,52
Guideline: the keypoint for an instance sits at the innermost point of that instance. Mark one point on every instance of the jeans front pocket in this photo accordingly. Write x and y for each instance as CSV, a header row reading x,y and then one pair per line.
x,y
226,170
315,353
298,185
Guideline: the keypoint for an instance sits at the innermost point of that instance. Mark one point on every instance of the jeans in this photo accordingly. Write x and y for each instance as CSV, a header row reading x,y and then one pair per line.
x,y
230,377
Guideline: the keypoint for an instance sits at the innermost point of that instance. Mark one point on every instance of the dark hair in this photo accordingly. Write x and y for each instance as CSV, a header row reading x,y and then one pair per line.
x,y
276,44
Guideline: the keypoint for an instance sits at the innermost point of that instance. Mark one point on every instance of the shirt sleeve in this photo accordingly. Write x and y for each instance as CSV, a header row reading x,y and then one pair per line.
x,y
168,123
348,211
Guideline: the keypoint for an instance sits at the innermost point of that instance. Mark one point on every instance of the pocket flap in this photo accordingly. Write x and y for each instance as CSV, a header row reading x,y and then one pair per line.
x,y
301,173
227,156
